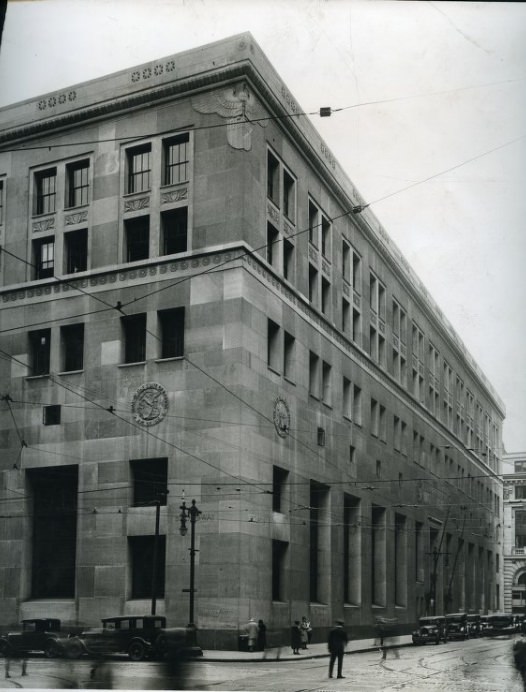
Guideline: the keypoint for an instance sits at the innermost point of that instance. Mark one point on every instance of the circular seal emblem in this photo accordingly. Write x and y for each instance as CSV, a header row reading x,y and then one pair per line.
x,y
150,404
281,417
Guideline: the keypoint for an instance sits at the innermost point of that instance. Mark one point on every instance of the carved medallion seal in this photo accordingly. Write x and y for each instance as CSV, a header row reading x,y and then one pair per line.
x,y
150,404
281,417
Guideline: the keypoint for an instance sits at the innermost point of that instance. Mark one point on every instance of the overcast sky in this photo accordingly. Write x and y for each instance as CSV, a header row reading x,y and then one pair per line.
x,y
449,84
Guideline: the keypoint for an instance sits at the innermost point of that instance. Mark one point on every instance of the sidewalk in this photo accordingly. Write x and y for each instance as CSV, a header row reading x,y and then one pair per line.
x,y
285,653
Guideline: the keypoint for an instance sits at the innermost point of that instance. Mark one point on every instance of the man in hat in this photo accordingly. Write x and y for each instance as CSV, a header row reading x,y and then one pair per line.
x,y
337,642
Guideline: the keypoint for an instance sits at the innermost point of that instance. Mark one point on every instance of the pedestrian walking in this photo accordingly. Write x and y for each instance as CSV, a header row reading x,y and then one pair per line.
x,y
385,628
252,631
262,636
306,632
337,642
295,637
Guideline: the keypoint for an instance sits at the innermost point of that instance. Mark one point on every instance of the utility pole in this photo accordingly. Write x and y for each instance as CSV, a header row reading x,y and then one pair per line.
x,y
192,513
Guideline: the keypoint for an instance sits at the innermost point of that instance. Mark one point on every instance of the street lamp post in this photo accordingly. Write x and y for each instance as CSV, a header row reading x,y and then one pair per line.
x,y
191,513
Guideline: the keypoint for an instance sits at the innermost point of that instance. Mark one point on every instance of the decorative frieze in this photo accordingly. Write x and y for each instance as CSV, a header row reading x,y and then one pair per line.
x,y
155,71
136,204
44,224
174,195
346,289
59,100
313,255
356,300
326,267
73,219
273,213
287,228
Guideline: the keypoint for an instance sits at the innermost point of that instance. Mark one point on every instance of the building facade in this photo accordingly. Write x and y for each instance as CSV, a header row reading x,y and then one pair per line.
x,y
515,534
197,303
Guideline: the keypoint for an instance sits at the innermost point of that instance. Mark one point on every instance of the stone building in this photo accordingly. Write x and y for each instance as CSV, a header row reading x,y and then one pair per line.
x,y
515,534
196,299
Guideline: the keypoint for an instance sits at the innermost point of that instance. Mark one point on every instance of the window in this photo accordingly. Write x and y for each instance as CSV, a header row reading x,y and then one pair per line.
x,y
1,202
313,224
273,345
279,552
314,375
149,481
176,152
289,196
171,324
325,237
39,350
321,437
418,364
378,468
346,316
347,398
382,424
289,356
326,383
141,552
356,335
44,257
399,338
346,261
375,420
139,168
137,238
357,405
272,245
279,480
377,296
174,229
134,332
313,285
288,260
51,414
46,191
352,550
378,556
77,180
76,251
72,343
325,296
273,178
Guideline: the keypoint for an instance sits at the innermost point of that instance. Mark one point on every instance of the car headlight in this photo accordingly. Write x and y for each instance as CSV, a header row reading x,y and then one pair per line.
x,y
461,629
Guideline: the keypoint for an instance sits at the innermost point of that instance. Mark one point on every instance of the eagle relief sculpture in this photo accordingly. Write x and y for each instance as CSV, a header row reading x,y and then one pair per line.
x,y
239,107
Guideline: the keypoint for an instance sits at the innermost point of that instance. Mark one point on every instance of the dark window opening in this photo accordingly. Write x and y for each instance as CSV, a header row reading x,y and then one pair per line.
x,y
273,178
288,260
72,347
39,350
1,201
325,237
139,168
279,479
313,285
313,224
273,345
321,437
44,257
174,225
176,159
172,332
76,251
51,414
77,175
54,496
289,197
134,329
137,238
272,244
141,561
150,481
279,552
46,191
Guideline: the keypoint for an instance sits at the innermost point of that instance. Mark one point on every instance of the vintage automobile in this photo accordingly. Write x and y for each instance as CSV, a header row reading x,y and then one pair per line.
x,y
500,624
139,636
430,629
474,625
483,625
38,634
457,626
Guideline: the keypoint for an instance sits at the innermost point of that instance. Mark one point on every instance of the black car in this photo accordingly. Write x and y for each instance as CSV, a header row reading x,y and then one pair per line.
x,y
457,626
430,629
500,624
38,634
139,636
474,625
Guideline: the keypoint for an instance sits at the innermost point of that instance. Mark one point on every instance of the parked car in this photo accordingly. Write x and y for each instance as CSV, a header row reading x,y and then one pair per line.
x,y
483,625
139,636
474,625
430,629
500,624
457,626
37,634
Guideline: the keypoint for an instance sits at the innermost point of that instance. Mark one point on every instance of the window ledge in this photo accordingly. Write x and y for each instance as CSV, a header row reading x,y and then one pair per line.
x,y
169,359
38,377
314,396
276,372
327,405
287,379
71,372
78,206
130,365
347,418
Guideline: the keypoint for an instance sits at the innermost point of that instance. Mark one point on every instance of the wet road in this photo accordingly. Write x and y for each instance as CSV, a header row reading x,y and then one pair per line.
x,y
477,665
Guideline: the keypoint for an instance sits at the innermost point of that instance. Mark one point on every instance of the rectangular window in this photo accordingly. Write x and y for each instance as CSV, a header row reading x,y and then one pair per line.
x,y
346,261
289,196
279,553
137,232
325,237
39,351
174,229
176,153
139,168
327,383
77,181
419,552
397,434
400,560
356,335
321,437
72,343
347,398
273,178
356,272
375,421
279,480
352,551
314,375
76,251
46,191
272,245
141,552
357,405
171,323
149,481
314,230
313,285
273,345
289,356
1,202
346,316
51,414
382,424
288,260
325,296
319,534
44,257
378,556
134,333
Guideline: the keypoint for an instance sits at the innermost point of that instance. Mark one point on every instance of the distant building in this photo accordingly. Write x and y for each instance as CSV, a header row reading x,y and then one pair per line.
x,y
515,533
196,299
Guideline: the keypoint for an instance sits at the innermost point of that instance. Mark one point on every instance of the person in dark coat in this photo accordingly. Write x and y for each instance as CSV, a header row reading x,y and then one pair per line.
x,y
262,636
337,642
295,637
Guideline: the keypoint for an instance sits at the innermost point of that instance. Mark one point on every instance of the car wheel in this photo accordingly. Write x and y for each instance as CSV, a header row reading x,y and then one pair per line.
x,y
136,651
73,650
52,650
